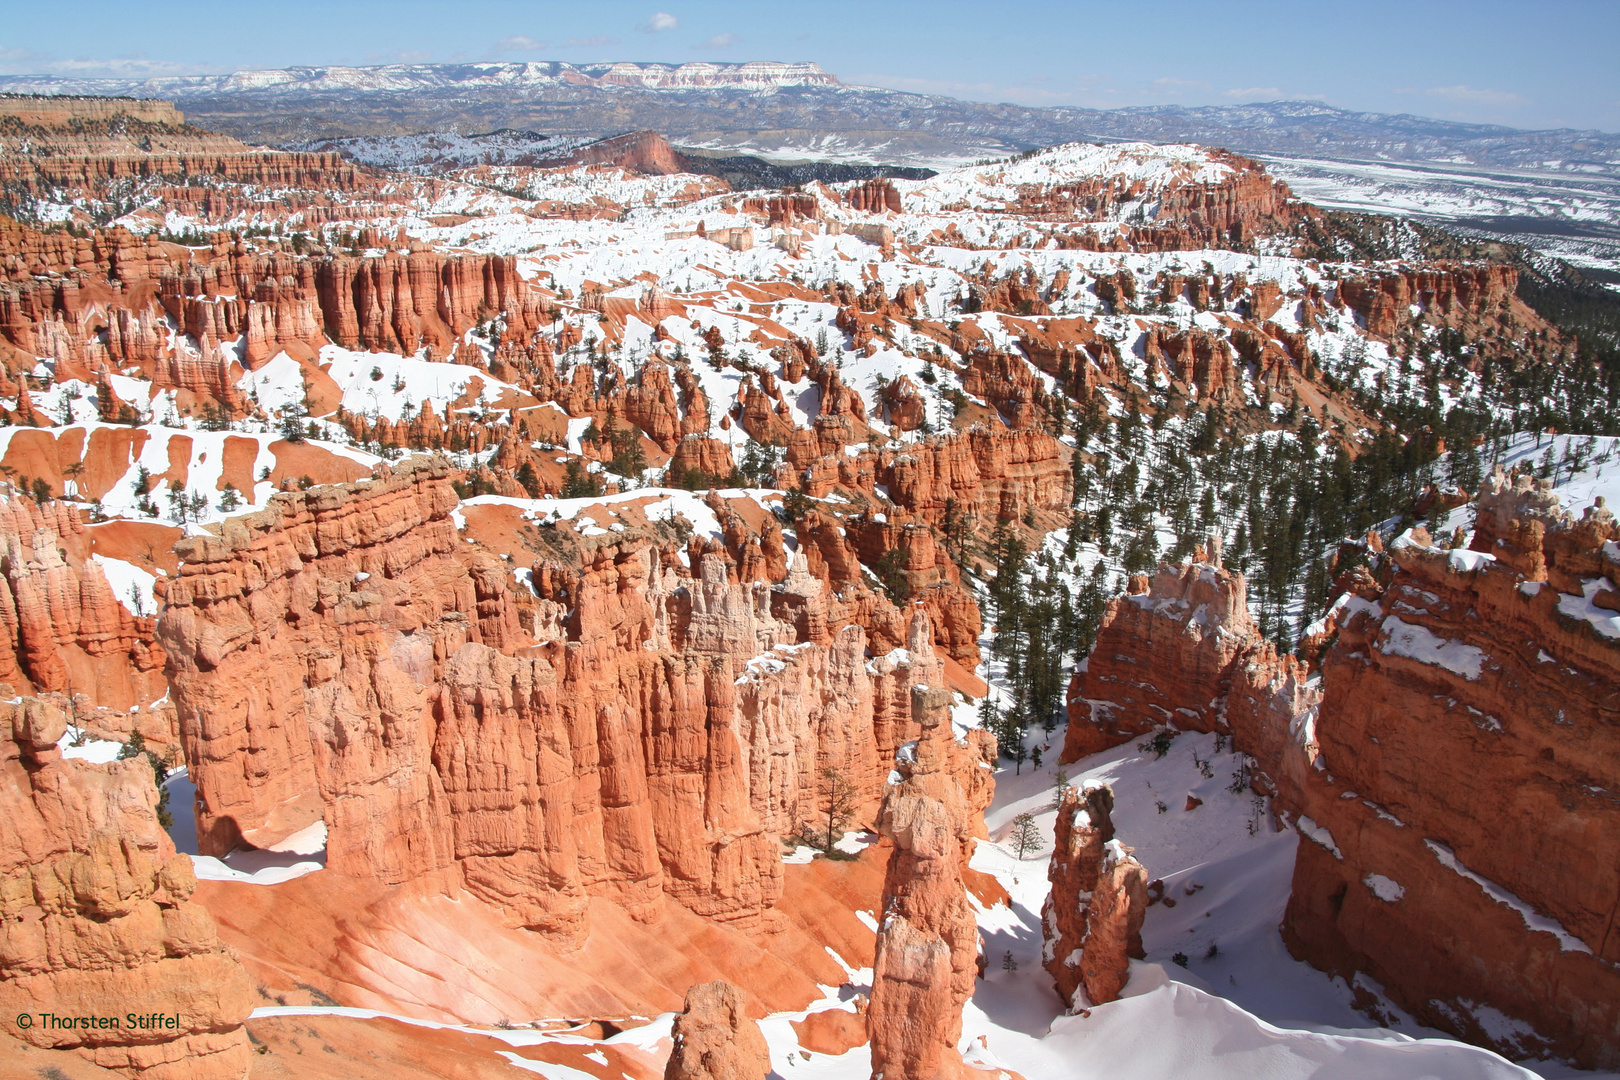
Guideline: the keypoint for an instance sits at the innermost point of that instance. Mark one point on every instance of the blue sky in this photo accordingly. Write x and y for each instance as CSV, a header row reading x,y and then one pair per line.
x,y
1551,63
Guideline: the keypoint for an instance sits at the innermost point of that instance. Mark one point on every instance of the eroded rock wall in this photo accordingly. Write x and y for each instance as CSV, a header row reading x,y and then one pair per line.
x,y
1463,839
344,656
62,627
1447,767
96,915
1166,654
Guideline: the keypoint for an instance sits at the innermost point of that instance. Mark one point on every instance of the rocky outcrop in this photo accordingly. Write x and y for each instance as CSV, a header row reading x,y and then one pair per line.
x,y
1166,654
985,472
639,151
37,174
116,290
873,197
1477,689
1220,200
59,110
1092,920
1448,294
928,943
706,458
96,915
930,577
716,1039
62,627
342,657
1113,924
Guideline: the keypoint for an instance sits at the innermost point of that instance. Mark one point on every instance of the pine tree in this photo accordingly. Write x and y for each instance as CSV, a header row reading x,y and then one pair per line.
x,y
1025,836
1060,784
836,805
529,481
293,417
578,483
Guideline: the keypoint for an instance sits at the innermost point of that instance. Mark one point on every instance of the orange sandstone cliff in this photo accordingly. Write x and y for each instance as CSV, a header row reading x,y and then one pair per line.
x,y
1473,690
1477,691
97,919
633,733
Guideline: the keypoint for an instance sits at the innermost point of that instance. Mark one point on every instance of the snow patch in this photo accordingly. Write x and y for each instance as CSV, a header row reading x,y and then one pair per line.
x,y
1423,645
1384,888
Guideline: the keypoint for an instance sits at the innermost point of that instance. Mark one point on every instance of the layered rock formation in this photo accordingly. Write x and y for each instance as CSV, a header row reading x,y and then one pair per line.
x,y
1478,689
62,628
96,915
1213,198
1166,654
57,111
928,943
272,301
985,472
343,657
716,1039
1092,920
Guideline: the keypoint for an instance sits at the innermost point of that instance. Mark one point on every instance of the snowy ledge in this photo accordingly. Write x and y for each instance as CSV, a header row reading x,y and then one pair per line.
x,y
1423,645
1567,941
1309,828
1581,607
304,852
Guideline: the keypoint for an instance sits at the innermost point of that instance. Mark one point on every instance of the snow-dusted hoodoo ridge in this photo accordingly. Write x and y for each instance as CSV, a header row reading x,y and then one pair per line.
x,y
541,687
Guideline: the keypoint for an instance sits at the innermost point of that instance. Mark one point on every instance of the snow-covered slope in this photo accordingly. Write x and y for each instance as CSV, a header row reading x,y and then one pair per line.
x,y
1567,213
441,151
1140,167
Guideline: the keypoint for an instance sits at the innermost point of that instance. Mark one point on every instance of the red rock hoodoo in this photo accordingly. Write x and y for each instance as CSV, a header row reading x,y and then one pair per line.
x,y
96,914
928,943
1092,920
716,1039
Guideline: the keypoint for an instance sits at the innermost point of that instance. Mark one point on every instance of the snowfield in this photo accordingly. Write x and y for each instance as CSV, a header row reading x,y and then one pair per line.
x,y
1241,1007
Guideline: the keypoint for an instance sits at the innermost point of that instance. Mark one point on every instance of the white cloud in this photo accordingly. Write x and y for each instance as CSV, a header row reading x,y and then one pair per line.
x,y
15,61
1037,96
719,41
520,43
1467,95
661,20
1255,93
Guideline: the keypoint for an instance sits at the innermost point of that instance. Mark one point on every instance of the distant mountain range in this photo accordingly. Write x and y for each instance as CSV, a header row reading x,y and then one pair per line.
x,y
1558,190
763,106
